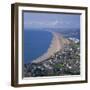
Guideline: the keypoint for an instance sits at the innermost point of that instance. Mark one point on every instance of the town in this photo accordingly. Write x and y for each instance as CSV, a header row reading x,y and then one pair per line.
x,y
61,63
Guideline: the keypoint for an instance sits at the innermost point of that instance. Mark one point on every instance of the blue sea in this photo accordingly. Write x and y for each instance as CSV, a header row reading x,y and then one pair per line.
x,y
36,43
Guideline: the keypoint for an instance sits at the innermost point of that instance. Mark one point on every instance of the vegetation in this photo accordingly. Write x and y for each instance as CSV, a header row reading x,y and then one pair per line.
x,y
64,62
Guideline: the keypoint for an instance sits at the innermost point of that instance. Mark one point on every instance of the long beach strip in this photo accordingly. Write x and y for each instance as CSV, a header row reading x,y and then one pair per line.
x,y
53,48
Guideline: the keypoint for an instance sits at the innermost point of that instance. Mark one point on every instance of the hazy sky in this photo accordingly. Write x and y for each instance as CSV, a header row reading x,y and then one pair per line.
x,y
49,20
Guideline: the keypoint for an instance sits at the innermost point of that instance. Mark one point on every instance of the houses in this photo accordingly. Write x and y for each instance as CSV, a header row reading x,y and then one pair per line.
x,y
74,39
64,62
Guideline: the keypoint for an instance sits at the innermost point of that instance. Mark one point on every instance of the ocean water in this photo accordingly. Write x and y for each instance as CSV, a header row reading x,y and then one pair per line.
x,y
35,44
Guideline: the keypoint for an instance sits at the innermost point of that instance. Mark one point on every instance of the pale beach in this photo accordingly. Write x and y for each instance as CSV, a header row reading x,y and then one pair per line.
x,y
55,46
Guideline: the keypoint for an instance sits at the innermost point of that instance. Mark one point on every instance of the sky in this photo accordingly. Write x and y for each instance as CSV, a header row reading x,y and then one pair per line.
x,y
51,20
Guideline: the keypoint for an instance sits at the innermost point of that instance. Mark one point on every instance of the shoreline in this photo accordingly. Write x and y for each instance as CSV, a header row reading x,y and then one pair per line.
x,y
55,46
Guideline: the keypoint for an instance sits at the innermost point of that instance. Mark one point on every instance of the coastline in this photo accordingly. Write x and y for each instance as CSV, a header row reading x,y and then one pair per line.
x,y
64,59
55,46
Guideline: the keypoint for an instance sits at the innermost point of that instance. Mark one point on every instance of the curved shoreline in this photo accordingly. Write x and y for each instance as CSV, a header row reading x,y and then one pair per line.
x,y
53,48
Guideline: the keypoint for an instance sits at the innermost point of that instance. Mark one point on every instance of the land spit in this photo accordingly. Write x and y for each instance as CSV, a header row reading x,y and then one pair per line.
x,y
56,45
62,58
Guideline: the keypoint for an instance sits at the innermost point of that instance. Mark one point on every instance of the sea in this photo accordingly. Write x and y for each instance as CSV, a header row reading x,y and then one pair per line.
x,y
36,42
